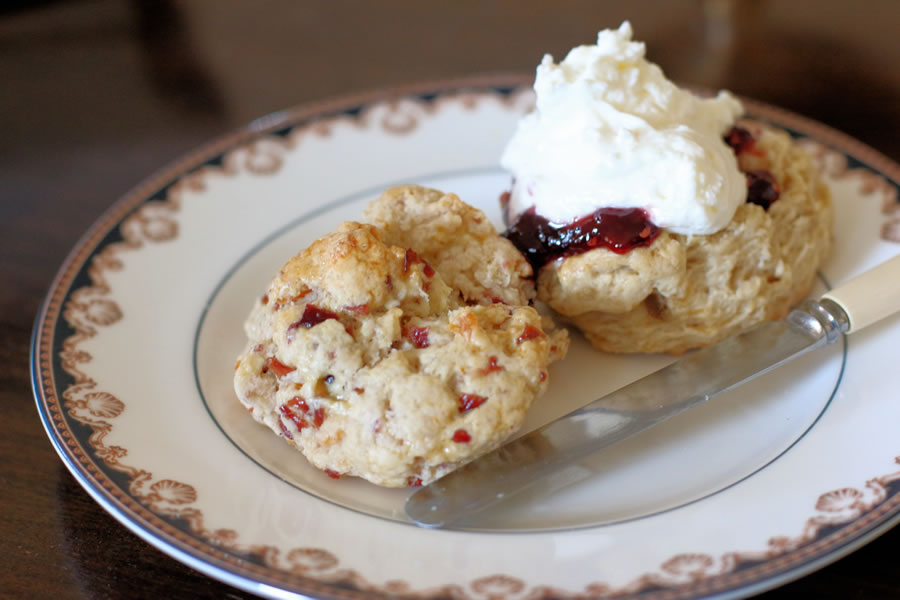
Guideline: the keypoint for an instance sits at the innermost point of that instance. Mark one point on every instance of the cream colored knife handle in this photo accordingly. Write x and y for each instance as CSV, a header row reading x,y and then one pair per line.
x,y
871,296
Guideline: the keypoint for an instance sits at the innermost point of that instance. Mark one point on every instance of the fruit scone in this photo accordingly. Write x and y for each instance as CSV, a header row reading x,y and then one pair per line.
x,y
655,221
385,361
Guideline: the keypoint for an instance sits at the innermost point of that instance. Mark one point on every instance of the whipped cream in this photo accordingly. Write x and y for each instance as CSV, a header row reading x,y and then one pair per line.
x,y
610,131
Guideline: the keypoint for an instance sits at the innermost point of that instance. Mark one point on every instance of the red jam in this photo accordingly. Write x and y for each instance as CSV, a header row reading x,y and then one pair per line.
x,y
618,229
332,474
413,481
469,401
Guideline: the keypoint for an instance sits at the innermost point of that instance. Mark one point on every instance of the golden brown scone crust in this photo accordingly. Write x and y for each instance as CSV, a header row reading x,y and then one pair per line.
x,y
684,292
458,240
398,380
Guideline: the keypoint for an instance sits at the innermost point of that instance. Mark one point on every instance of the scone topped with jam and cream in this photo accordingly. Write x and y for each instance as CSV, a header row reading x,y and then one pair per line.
x,y
374,361
655,221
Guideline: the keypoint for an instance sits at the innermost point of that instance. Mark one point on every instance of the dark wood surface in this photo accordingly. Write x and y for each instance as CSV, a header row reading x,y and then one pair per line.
x,y
97,94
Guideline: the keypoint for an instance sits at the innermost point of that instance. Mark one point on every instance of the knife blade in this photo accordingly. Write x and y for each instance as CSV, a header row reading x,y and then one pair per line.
x,y
688,382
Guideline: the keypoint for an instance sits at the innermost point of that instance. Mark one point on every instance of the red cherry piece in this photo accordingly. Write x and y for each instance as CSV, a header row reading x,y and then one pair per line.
x,y
468,402
358,309
298,403
276,366
529,333
296,419
461,436
301,295
411,258
740,140
762,189
418,336
312,316
491,367
284,430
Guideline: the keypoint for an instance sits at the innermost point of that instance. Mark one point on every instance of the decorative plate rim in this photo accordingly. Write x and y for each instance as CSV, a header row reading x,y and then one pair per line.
x,y
810,554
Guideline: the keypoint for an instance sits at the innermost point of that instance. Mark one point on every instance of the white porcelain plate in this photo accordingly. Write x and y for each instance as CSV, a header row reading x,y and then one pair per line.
x,y
134,348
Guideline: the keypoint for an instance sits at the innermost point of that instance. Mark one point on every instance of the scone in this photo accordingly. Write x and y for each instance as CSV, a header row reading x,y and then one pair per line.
x,y
684,291
652,221
364,358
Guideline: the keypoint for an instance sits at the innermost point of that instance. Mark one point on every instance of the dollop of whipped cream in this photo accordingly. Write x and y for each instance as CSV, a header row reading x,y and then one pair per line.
x,y
610,131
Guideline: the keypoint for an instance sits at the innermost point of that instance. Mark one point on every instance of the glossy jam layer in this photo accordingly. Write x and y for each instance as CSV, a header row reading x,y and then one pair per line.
x,y
618,229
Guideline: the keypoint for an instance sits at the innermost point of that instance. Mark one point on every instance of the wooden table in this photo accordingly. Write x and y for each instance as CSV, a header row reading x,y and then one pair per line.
x,y
96,94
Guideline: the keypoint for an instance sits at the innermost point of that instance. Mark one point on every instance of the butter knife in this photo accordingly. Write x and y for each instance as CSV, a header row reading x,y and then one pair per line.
x,y
688,382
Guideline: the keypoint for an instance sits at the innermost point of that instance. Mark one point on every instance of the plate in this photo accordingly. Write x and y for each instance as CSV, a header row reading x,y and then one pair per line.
x,y
133,350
